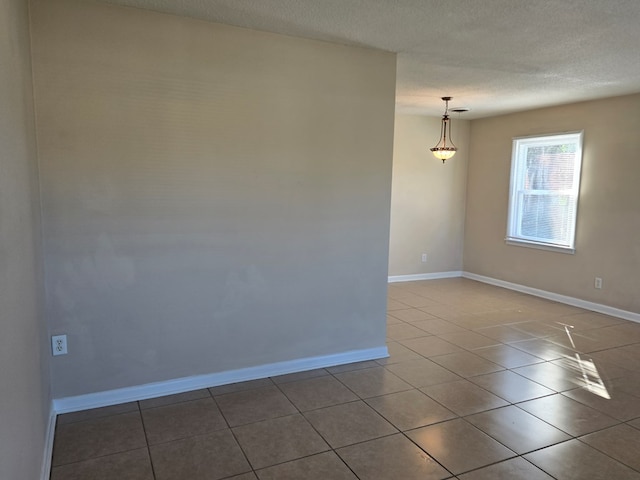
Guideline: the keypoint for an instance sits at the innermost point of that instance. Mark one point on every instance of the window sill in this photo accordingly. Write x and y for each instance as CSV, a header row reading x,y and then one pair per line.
x,y
540,246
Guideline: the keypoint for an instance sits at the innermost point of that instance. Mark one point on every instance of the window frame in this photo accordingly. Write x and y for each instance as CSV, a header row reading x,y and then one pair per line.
x,y
520,146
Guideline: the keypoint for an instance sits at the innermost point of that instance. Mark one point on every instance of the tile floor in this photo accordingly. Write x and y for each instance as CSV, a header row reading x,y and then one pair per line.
x,y
481,383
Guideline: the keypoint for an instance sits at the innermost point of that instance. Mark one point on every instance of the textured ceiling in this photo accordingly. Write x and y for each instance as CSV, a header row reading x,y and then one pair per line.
x,y
492,56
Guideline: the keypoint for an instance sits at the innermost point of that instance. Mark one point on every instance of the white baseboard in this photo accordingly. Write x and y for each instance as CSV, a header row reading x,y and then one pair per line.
x,y
48,445
185,384
423,276
576,302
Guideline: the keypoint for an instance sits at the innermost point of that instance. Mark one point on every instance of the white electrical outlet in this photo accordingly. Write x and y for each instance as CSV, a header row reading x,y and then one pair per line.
x,y
59,345
424,257
598,283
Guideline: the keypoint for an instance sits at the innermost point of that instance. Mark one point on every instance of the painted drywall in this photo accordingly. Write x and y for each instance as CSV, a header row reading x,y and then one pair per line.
x,y
608,223
214,198
24,375
428,198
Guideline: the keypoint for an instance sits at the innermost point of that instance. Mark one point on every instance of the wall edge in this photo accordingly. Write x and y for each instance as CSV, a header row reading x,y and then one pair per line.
x,y
47,457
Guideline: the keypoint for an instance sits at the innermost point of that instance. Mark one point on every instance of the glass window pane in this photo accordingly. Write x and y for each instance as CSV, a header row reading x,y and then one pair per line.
x,y
545,177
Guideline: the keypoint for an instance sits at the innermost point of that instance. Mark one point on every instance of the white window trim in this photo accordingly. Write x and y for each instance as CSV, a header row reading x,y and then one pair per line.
x,y
540,245
514,192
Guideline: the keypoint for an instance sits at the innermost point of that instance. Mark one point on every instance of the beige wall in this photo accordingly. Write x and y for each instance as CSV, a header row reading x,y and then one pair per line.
x,y
25,399
608,224
214,198
428,198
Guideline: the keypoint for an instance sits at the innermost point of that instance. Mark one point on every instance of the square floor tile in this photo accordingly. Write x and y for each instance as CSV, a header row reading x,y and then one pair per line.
x,y
349,423
517,429
621,442
371,382
323,466
177,398
416,301
95,438
279,440
514,469
551,376
397,353
448,312
577,342
491,313
630,330
96,413
294,377
430,346
241,386
561,309
132,465
613,356
393,320
589,320
410,409
464,397
567,414
502,314
404,331
391,458
473,321
594,366
254,405
466,364
511,386
410,315
573,460
204,457
422,373
613,336
507,356
459,446
621,405
396,305
543,349
468,340
317,393
631,353
437,326
180,420
350,367
504,333
629,383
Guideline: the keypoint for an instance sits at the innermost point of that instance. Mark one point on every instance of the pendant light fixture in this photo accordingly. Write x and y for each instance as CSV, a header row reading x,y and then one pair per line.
x,y
445,149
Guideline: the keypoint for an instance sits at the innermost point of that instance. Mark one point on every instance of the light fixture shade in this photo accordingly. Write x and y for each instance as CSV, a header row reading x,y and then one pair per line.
x,y
445,149
444,154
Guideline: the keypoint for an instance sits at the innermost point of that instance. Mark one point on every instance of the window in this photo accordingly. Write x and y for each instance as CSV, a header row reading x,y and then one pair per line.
x,y
545,181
